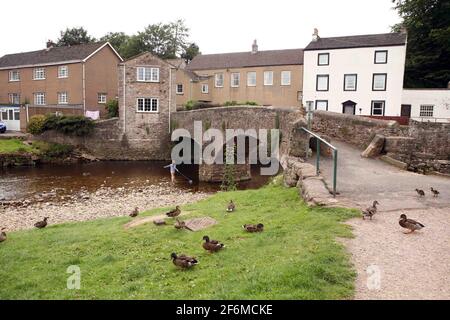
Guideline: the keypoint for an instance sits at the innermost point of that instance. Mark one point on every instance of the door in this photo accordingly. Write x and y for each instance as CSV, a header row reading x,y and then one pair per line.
x,y
10,116
406,110
349,107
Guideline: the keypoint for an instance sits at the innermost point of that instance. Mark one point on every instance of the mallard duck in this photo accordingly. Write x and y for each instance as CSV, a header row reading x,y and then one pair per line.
x,y
421,193
370,211
41,224
231,207
253,228
180,225
174,213
183,261
2,235
435,192
212,245
410,224
134,213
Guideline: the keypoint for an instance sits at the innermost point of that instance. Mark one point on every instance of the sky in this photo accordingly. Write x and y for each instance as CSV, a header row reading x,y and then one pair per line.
x,y
216,26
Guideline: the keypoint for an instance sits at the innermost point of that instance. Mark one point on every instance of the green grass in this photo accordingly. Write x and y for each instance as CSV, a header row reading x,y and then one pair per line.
x,y
296,257
13,145
42,148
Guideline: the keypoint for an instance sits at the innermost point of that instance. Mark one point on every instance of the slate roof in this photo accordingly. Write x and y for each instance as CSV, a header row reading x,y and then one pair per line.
x,y
247,59
362,41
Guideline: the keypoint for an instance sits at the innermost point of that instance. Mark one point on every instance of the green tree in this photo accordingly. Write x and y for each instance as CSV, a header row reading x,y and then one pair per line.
x,y
74,36
119,40
428,57
190,52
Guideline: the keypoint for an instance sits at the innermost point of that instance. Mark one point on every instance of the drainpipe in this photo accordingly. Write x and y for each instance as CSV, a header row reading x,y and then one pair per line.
x,y
170,94
124,99
84,89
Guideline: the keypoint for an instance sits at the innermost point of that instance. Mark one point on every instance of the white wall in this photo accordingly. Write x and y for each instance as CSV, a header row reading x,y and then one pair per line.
x,y
361,62
439,98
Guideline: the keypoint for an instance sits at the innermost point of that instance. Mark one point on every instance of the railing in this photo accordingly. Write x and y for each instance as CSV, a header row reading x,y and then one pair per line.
x,y
430,119
335,156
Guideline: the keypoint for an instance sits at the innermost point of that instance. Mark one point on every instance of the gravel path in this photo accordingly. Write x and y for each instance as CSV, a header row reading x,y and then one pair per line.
x,y
102,204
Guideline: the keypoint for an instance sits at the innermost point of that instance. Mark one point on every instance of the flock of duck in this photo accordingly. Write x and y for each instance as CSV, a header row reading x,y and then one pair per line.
x,y
404,222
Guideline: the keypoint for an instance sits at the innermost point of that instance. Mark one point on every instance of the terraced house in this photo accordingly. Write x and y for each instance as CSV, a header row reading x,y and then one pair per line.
x,y
272,77
76,79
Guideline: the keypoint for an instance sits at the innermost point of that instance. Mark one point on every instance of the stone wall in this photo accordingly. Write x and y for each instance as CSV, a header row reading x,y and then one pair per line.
x,y
215,173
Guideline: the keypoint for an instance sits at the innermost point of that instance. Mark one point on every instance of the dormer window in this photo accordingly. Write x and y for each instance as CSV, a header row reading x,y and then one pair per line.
x,y
381,57
323,59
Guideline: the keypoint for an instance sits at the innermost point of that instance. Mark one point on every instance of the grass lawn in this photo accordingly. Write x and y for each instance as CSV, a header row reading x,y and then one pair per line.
x,y
296,257
13,145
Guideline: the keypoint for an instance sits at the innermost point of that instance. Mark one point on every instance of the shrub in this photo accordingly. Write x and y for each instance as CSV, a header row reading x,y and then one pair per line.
x,y
230,103
112,107
76,125
191,105
53,150
251,103
36,125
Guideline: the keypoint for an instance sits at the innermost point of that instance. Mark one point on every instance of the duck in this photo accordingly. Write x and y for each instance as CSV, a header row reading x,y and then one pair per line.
x,y
2,235
134,213
421,193
253,228
410,224
212,245
174,213
183,261
180,225
435,192
41,224
231,206
370,211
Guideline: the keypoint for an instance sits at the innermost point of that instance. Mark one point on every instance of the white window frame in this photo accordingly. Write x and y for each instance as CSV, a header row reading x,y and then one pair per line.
x,y
205,88
152,100
39,74
426,110
148,74
250,77
325,102
268,75
235,79
39,99
345,82
182,88
14,72
11,97
382,109
100,96
63,72
283,82
375,75
61,95
219,80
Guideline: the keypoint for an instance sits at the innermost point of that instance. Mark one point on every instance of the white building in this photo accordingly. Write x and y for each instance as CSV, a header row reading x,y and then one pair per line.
x,y
360,75
427,104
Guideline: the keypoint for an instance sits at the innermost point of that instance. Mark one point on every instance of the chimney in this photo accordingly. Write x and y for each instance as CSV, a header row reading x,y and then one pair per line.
x,y
315,35
254,47
50,44
403,30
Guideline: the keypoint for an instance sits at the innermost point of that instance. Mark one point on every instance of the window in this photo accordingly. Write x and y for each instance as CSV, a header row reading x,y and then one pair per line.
x,y
16,115
377,108
268,78
426,110
379,82
147,105
14,75
205,88
323,59
180,88
39,99
350,82
14,98
322,105
251,79
147,74
322,82
63,71
235,80
62,98
381,57
39,74
285,78
101,97
218,80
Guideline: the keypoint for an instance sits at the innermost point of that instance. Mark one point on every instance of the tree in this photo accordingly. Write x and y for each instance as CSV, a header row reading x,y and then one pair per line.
x,y
190,52
74,36
118,40
428,57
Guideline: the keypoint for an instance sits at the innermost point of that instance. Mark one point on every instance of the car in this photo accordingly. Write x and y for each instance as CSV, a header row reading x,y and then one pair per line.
x,y
2,127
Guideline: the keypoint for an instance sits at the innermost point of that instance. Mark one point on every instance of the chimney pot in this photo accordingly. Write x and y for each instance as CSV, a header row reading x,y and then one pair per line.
x,y
255,47
315,36
50,44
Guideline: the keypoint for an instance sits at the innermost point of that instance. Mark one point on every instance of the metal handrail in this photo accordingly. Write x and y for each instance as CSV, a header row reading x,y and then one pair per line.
x,y
335,156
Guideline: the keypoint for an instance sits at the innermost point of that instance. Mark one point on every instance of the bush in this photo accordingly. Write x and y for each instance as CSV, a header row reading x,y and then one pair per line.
x,y
36,125
191,105
76,125
53,150
251,103
230,103
112,107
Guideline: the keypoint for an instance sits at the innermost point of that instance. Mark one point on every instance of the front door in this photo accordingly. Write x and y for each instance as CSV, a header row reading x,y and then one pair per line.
x,y
349,107
10,116
406,110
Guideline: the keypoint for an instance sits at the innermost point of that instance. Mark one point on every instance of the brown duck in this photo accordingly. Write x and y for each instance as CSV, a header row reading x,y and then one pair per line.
x,y
180,225
183,261
212,245
231,206
434,192
2,235
253,228
421,193
41,224
410,224
370,211
174,213
134,213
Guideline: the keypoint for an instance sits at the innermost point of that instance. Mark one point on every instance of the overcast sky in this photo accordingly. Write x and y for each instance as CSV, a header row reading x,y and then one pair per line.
x,y
216,26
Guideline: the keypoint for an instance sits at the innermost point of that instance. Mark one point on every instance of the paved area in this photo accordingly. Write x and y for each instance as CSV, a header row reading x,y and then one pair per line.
x,y
391,264
13,134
